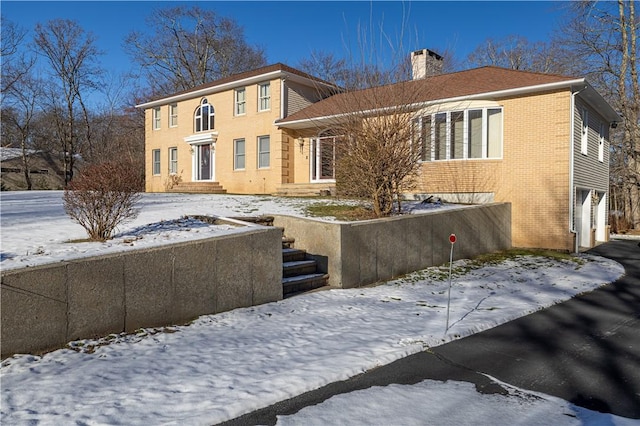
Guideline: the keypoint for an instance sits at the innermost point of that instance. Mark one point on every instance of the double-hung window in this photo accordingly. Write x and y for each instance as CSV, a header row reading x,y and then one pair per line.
x,y
584,137
173,115
156,118
264,97
173,160
238,154
240,103
155,154
263,152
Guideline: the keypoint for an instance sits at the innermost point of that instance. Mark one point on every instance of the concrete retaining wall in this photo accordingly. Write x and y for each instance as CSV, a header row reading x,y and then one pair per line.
x,y
47,306
362,253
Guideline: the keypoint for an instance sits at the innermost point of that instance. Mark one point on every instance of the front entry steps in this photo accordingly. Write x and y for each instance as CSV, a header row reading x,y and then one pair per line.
x,y
299,273
197,188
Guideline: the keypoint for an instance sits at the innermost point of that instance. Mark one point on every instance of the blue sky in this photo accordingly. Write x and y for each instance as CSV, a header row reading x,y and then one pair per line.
x,y
290,30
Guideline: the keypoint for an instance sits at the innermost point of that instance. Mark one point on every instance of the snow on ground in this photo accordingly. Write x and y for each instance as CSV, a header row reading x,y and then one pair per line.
x,y
449,403
35,230
222,366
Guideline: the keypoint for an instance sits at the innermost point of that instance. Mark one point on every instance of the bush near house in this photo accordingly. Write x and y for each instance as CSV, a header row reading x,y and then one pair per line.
x,y
102,197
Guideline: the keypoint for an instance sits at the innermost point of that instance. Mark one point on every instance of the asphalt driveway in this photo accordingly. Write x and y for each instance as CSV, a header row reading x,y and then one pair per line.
x,y
585,350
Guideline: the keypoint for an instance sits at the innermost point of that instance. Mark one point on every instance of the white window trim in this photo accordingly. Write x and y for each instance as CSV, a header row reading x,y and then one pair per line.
x,y
315,172
262,167
173,164
198,114
235,154
237,102
156,118
601,141
173,115
267,98
155,163
584,133
465,140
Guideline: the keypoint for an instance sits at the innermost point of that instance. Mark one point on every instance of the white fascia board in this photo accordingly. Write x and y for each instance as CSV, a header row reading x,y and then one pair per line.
x,y
226,86
297,124
211,90
306,81
592,97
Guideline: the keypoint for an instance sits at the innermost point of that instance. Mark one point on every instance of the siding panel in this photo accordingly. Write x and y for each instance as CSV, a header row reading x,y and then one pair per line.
x,y
588,171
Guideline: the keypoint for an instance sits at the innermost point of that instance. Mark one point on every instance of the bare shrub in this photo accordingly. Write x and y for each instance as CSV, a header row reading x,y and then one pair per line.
x,y
102,197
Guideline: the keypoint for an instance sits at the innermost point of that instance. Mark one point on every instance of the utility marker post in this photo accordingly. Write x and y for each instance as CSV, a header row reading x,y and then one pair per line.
x,y
452,240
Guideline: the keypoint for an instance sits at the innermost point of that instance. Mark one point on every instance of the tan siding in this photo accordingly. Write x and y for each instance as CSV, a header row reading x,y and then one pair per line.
x,y
533,174
536,155
229,127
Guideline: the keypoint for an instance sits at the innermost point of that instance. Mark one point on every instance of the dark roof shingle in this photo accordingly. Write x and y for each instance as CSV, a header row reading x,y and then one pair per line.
x,y
445,86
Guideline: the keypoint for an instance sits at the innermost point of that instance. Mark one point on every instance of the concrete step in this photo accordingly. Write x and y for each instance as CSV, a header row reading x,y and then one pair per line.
x,y
198,188
306,189
258,220
287,242
292,255
303,283
298,267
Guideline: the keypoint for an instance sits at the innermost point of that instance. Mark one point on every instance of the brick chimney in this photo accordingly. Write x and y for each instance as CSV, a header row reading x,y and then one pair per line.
x,y
425,63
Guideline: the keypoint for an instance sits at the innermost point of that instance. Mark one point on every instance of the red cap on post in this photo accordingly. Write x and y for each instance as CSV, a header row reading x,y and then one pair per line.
x,y
452,238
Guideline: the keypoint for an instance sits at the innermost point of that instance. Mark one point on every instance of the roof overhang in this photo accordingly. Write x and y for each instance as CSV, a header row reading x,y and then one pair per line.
x,y
590,95
285,75
597,102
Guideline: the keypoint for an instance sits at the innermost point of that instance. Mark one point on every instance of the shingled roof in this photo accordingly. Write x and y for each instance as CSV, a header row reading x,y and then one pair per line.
x,y
486,80
238,78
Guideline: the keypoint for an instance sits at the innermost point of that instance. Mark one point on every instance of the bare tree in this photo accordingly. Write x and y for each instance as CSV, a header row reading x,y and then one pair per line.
x,y
117,129
15,62
376,146
71,54
600,40
516,52
25,94
377,155
20,93
184,47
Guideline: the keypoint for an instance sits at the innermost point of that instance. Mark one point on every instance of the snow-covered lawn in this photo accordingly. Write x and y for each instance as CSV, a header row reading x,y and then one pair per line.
x,y
35,229
222,366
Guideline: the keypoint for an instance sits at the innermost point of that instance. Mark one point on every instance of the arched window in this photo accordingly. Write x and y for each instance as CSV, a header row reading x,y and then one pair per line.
x,y
204,117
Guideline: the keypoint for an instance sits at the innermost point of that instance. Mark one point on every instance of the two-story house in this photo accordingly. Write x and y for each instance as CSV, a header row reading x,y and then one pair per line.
x,y
538,141
220,137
